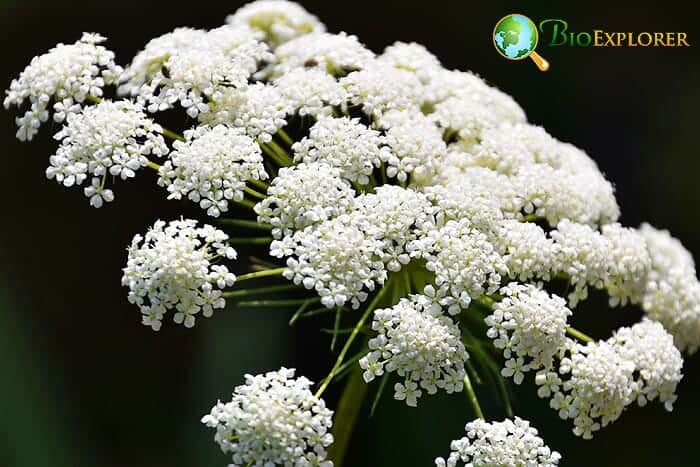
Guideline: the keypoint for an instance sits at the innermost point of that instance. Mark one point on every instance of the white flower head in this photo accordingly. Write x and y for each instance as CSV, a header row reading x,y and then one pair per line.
x,y
174,267
212,167
310,91
193,68
273,419
467,113
597,383
259,109
666,251
336,258
417,147
336,54
528,324
527,250
304,195
394,216
343,143
379,88
657,361
279,20
507,443
110,139
419,343
616,259
65,75
411,57
465,263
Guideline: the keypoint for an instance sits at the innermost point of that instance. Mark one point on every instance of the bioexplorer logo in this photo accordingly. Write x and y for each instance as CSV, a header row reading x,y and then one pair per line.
x,y
515,37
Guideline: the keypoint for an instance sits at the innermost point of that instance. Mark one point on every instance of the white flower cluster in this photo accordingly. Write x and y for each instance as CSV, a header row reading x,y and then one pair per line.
x,y
194,67
615,258
311,92
412,57
110,138
672,293
279,20
418,342
336,54
66,75
597,381
507,443
529,325
335,258
173,266
304,195
380,88
259,108
465,263
417,147
212,167
345,144
273,419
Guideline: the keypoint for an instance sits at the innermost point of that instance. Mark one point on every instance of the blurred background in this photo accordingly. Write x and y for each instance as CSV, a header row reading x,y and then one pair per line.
x,y
82,383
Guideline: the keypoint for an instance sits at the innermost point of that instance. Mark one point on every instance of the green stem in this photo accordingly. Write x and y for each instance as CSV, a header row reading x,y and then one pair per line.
x,y
254,193
246,203
245,223
351,339
153,166
259,290
285,137
274,156
471,395
250,241
258,183
172,135
276,303
575,333
346,415
257,274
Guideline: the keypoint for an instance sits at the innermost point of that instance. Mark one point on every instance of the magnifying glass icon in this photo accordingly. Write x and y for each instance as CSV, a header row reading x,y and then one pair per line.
x,y
515,37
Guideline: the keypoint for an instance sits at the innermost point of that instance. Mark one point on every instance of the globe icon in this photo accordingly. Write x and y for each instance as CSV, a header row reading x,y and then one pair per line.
x,y
515,37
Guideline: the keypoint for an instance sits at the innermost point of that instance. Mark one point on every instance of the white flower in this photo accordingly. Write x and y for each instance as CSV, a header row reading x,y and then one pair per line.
x,y
279,20
65,75
411,57
598,383
394,216
673,299
657,361
259,108
465,263
193,68
336,54
584,197
310,91
336,258
616,259
304,195
417,147
212,167
172,266
507,443
273,419
528,324
672,293
380,88
108,139
343,143
468,112
526,249
419,343
666,251
408,392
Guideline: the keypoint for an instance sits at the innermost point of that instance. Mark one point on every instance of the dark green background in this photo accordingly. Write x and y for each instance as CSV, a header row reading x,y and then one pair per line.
x,y
82,383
